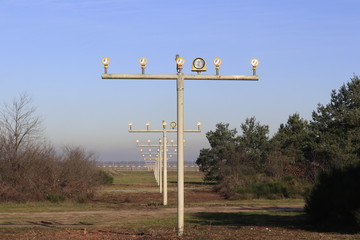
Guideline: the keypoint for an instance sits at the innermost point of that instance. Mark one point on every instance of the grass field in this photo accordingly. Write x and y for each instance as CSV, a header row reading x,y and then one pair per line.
x,y
131,209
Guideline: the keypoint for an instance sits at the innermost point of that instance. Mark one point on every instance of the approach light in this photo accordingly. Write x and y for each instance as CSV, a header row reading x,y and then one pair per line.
x,y
179,63
254,63
106,62
217,63
143,61
199,65
173,125
198,125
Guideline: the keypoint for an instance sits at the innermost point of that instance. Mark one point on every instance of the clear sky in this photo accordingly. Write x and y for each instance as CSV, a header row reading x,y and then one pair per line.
x,y
52,50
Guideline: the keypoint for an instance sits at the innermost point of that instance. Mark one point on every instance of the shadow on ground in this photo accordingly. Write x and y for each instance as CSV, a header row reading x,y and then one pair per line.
x,y
290,219
195,183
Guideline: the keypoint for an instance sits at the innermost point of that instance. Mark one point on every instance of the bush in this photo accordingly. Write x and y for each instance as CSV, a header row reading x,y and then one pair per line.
x,y
55,198
274,188
39,174
105,178
335,200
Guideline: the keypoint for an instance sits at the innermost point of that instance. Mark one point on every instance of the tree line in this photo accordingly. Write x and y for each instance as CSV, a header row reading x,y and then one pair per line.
x,y
300,149
30,167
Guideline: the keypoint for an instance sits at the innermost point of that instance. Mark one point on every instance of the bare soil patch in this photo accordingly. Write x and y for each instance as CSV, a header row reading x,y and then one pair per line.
x,y
199,232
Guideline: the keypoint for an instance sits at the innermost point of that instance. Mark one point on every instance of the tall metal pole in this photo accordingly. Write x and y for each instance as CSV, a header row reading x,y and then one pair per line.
x,y
180,156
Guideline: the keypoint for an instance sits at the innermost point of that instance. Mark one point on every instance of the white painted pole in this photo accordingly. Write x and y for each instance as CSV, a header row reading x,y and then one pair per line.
x,y
180,151
160,169
157,170
165,200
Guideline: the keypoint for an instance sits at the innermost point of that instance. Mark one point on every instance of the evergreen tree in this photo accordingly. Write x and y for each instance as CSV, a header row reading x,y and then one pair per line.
x,y
292,148
294,138
220,140
337,127
254,141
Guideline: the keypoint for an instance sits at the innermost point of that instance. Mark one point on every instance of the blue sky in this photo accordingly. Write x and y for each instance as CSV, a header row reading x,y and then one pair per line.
x,y
52,50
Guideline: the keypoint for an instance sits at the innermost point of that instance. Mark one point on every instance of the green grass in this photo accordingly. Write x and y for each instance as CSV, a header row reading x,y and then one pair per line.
x,y
190,177
50,207
129,179
133,178
167,220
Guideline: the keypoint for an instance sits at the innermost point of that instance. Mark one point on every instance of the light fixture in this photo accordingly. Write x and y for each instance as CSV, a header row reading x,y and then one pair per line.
x,y
106,61
179,63
164,124
143,61
254,63
173,125
147,125
130,125
198,125
198,65
217,63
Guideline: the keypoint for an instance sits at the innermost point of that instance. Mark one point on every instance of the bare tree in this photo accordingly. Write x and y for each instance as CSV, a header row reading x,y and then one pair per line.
x,y
31,170
19,125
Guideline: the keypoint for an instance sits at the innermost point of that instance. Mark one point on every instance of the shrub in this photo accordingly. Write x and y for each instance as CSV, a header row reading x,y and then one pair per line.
x,y
55,198
273,188
335,200
38,174
105,178
79,175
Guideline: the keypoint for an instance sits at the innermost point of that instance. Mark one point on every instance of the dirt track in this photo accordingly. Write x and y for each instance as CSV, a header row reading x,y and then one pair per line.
x,y
112,217
127,216
116,224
